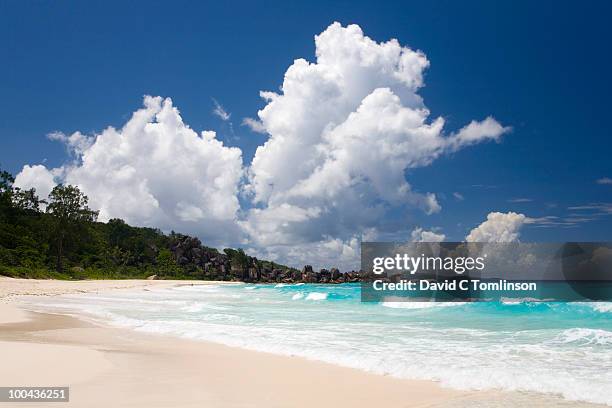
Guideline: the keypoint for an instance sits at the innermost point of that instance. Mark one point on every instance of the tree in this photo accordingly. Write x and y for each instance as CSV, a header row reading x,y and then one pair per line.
x,y
118,231
27,200
6,191
237,258
70,213
166,265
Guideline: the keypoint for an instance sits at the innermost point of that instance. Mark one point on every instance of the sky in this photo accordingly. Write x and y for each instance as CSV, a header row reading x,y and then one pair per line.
x,y
349,128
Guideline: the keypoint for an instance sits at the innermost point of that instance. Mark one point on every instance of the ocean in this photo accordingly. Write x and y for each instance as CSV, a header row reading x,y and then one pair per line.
x,y
558,348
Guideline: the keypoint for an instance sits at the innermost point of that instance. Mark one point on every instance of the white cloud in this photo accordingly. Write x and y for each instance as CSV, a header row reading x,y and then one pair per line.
x,y
520,200
76,143
156,171
253,124
421,235
601,208
604,180
220,111
37,177
499,227
476,132
369,234
343,131
458,196
326,253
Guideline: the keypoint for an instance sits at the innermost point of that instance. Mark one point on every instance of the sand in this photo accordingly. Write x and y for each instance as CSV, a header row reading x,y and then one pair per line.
x,y
110,367
10,287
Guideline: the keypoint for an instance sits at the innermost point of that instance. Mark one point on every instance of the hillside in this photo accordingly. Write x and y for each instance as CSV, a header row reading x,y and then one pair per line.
x,y
65,241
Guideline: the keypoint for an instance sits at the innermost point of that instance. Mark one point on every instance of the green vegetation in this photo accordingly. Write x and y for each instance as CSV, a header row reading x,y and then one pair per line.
x,y
62,239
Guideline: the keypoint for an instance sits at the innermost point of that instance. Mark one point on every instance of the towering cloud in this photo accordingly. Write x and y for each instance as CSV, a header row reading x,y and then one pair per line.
x,y
499,227
154,171
421,235
343,130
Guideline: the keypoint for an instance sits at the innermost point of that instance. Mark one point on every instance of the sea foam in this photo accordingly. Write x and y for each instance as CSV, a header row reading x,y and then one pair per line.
x,y
316,296
558,348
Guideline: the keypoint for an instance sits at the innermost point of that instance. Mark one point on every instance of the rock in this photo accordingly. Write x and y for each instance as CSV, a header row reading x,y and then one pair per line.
x,y
310,277
254,274
76,270
190,254
351,276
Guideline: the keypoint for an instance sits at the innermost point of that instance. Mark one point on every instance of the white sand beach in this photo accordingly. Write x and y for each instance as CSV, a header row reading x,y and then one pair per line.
x,y
106,366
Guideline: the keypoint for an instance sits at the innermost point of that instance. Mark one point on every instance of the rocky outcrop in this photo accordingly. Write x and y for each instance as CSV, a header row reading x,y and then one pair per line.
x,y
209,263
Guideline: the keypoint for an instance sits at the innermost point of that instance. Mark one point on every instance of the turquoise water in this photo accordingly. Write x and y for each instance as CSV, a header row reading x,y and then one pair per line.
x,y
559,348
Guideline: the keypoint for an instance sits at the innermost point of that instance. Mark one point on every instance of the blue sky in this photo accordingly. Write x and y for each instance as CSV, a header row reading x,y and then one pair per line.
x,y
540,67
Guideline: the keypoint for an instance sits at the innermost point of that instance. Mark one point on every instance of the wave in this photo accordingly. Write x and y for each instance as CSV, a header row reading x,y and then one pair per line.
x,y
284,285
316,296
583,336
519,301
201,307
480,346
419,305
602,307
473,372
196,307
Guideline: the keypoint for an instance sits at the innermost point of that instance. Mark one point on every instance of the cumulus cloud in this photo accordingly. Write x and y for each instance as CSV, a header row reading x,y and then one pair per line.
x,y
343,131
369,234
328,252
154,171
76,143
476,132
499,227
421,235
37,177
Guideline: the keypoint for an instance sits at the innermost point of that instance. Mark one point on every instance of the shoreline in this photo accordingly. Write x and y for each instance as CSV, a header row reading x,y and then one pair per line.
x,y
16,287
107,366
